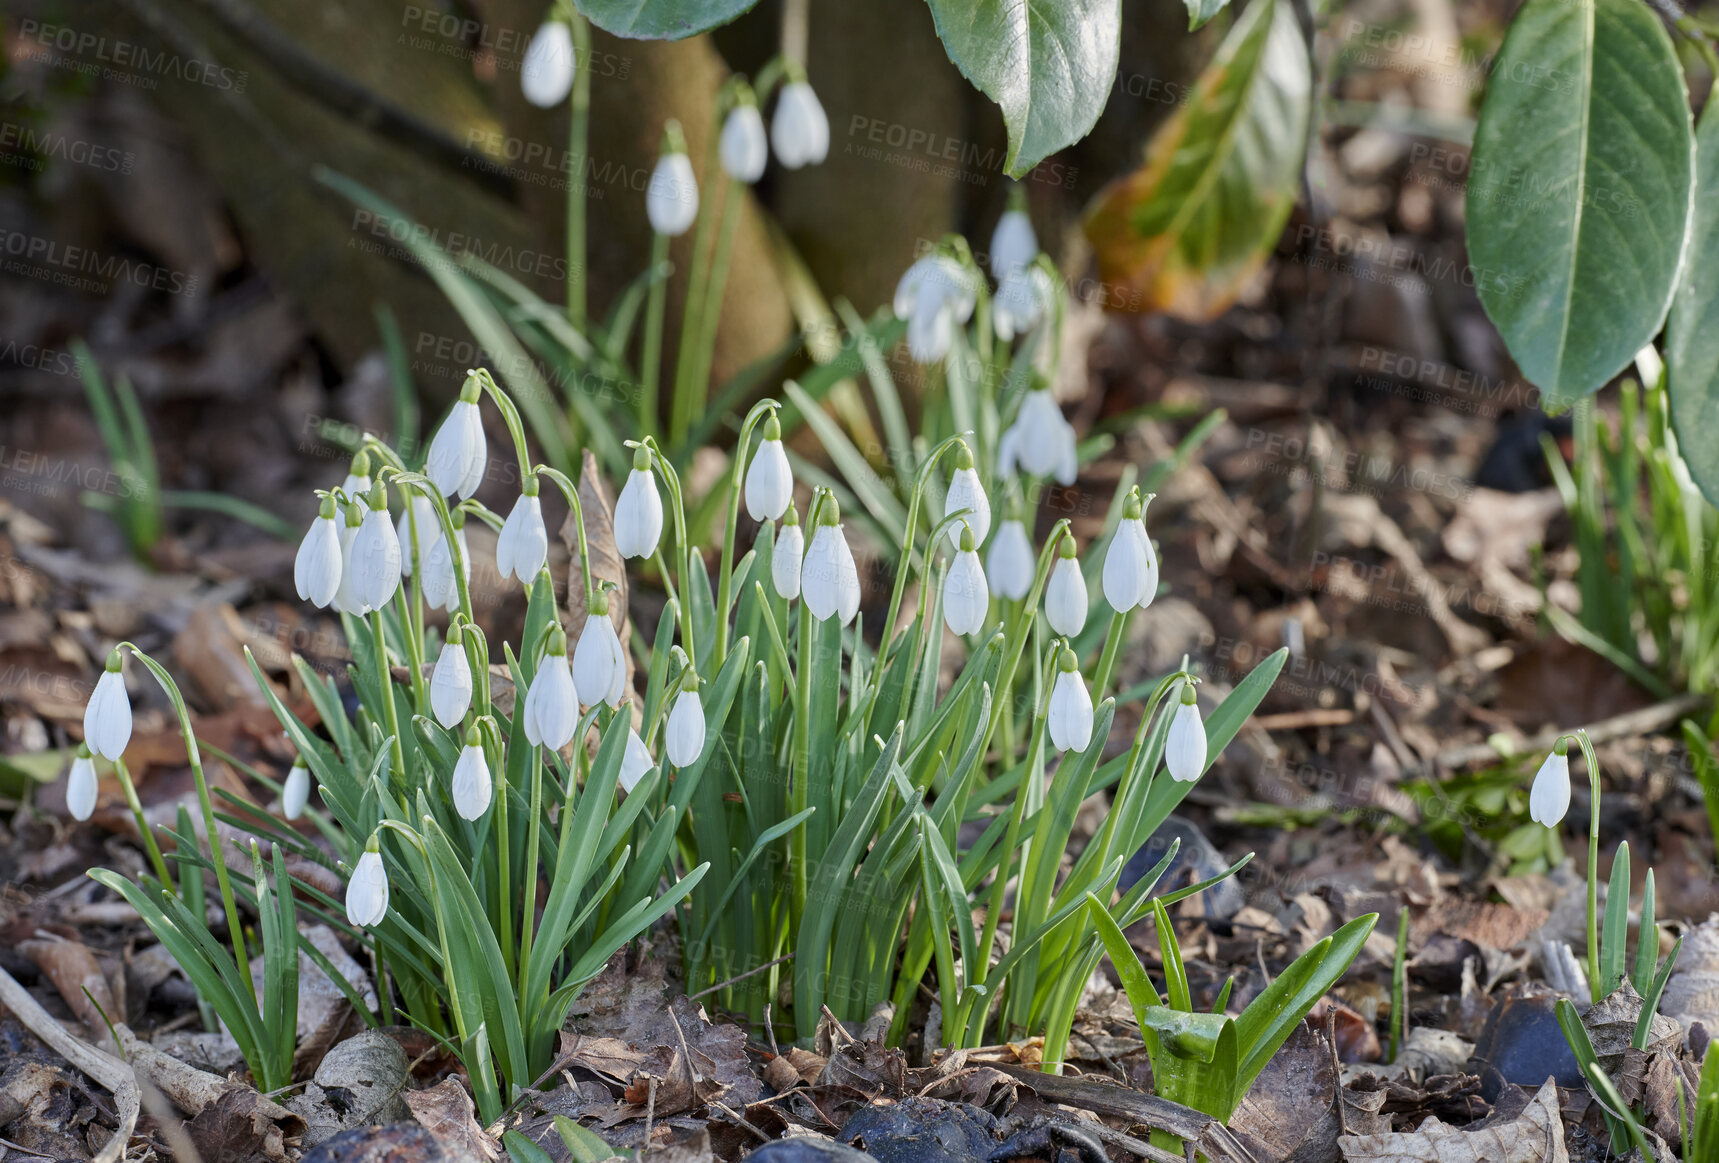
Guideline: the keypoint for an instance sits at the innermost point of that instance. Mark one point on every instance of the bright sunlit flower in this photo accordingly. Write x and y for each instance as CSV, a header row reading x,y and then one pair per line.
x,y
935,295
367,891
459,453
769,479
599,662
744,147
451,682
1070,718
785,557
107,718
471,783
639,510
1131,564
376,554
671,200
637,761
316,569
829,579
81,785
441,591
1010,564
552,703
800,132
546,73
1549,798
1065,592
523,545
966,598
1041,440
684,736
967,492
1185,743
1013,244
346,599
295,792
421,510
1023,299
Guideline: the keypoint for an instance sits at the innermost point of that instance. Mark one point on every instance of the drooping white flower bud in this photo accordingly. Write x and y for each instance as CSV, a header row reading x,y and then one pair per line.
x,y
800,132
684,735
471,783
356,486
785,557
1024,299
421,510
1010,564
376,553
967,492
295,792
671,200
639,510
546,73
636,763
523,545
1185,743
1131,564
1013,244
367,891
744,147
599,662
81,785
829,579
459,454
966,597
346,597
107,717
552,703
441,591
316,569
934,296
769,479
1041,440
1065,592
451,682
1549,798
1070,718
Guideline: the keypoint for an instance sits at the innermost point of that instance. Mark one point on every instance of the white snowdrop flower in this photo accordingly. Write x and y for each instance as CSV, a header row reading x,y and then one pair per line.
x,y
356,486
1010,564
636,763
829,579
744,147
599,663
107,718
295,792
546,73
671,200
421,510
1131,564
1022,301
471,783
966,598
1070,718
639,510
769,479
934,296
1013,244
785,556
367,891
1008,452
1041,439
1185,744
451,682
376,555
346,599
1549,798
441,591
967,492
684,735
316,569
552,703
1065,592
459,454
523,545
81,785
800,132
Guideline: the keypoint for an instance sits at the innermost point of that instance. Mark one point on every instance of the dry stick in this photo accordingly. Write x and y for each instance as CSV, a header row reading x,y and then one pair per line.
x,y
1641,722
740,977
741,1120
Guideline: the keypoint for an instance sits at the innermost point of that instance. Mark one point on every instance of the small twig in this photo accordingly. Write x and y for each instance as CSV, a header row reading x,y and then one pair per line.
x,y
742,1121
685,1054
839,1028
650,1110
738,977
770,1029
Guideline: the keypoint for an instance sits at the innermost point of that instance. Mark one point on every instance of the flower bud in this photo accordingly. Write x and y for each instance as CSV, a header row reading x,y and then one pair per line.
x,y
546,73
367,891
1070,718
769,479
684,735
81,785
800,132
599,662
471,783
639,510
1185,743
1549,798
552,703
636,763
1131,564
785,557
966,598
458,453
744,148
671,200
1010,564
967,492
376,555
1065,592
523,545
346,599
295,792
316,569
107,718
451,683
1013,243
829,579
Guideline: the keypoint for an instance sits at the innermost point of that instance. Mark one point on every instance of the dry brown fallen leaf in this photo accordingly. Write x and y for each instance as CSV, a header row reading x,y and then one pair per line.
x,y
1530,1134
73,970
446,1111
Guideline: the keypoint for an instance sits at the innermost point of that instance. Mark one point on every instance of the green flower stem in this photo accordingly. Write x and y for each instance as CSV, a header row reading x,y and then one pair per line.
x,y
504,865
710,318
149,844
651,355
905,566
578,133
477,647
800,771
737,475
1595,986
509,414
388,708
692,315
1107,658
568,490
415,613
677,509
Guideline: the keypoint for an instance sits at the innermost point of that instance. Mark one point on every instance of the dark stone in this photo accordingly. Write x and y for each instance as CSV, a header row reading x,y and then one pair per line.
x,y
400,1143
1196,860
1523,1043
807,1150
923,1130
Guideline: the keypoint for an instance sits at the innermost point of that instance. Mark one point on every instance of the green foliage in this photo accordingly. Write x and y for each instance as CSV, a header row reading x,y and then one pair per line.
x,y
1701,1139
1692,329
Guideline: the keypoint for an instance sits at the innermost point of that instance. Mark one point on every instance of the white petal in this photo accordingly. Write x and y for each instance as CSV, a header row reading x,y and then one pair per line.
x,y
346,599
638,515
617,668
441,591
966,492
744,147
800,132
1010,564
376,555
107,718
907,290
594,660
316,570
81,788
930,331
820,573
1008,451
554,703
1013,244
965,595
1070,719
1185,745
685,732
295,793
523,546
1065,598
1125,568
451,685
546,73
636,763
471,784
769,482
847,580
367,891
785,561
458,453
1549,798
671,201
1149,584
429,531
1043,433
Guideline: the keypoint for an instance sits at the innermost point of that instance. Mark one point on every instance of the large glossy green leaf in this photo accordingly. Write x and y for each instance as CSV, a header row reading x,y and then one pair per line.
x,y
1186,231
1048,64
1692,330
661,19
1579,191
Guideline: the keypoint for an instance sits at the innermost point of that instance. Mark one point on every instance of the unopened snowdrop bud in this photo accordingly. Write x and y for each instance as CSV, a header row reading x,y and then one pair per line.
x,y
523,545
671,200
965,595
966,492
1065,593
1009,565
81,785
316,569
636,763
346,599
1022,300
800,132
1549,798
107,718
934,296
546,73
420,511
639,510
769,480
684,735
451,681
1070,718
829,579
367,891
1131,565
295,792
1185,744
356,486
441,591
552,703
1042,440
599,663
744,147
1013,244
471,784
785,557
376,553
458,452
